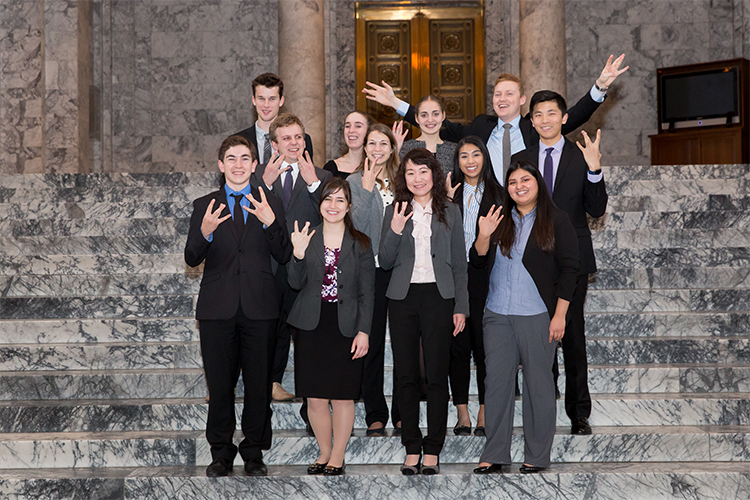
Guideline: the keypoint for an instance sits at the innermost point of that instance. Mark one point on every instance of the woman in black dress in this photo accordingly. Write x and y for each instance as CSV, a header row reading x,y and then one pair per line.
x,y
355,129
334,269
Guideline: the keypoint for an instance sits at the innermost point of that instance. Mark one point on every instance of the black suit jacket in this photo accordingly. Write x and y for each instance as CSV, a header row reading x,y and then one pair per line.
x,y
575,194
250,135
355,282
237,268
555,274
483,125
303,205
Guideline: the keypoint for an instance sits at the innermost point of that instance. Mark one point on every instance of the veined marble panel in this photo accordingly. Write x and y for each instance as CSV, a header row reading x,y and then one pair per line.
x,y
109,181
51,209
665,324
714,379
55,264
92,245
93,227
675,172
639,300
97,307
720,300
93,285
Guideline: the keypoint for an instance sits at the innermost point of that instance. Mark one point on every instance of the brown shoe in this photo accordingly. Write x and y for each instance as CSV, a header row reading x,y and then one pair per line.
x,y
278,393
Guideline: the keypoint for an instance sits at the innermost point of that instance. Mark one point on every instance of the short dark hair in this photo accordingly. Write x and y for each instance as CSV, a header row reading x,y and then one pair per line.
x,y
548,96
270,81
237,140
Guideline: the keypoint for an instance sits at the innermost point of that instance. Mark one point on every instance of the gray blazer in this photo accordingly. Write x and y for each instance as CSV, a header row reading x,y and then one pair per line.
x,y
448,257
356,285
367,210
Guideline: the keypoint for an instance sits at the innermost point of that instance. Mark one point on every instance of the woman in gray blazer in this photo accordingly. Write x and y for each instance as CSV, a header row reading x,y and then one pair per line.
x,y
423,242
334,270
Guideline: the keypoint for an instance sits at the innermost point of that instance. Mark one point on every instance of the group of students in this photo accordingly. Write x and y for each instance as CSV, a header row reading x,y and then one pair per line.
x,y
455,245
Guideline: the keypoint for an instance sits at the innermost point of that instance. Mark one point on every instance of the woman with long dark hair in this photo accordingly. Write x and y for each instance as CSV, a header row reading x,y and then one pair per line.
x,y
333,320
530,251
423,243
475,191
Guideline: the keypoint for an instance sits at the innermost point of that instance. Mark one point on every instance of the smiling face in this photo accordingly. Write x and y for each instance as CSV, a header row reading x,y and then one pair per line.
x,y
267,103
378,147
237,166
470,161
507,100
355,129
334,207
418,181
548,119
523,189
290,142
430,117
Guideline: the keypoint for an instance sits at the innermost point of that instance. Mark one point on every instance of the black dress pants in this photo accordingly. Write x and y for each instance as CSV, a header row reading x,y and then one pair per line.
x,y
228,346
423,312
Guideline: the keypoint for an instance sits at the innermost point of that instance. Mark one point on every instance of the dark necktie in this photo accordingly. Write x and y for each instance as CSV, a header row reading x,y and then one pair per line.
x,y
288,186
506,148
548,175
267,149
239,214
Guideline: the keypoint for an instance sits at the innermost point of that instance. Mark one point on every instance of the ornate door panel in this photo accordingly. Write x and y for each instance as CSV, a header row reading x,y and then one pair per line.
x,y
422,50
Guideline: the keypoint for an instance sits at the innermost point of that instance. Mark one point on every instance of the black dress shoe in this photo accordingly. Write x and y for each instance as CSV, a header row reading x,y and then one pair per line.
x,y
531,469
330,470
219,467
316,468
580,426
462,430
489,469
378,431
479,431
256,467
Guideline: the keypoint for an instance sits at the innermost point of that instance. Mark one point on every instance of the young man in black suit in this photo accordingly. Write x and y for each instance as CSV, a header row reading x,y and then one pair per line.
x,y
291,176
236,231
574,179
268,98
507,132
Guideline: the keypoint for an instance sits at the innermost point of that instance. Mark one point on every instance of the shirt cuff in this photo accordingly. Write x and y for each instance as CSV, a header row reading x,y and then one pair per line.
x,y
210,237
403,108
596,95
594,178
313,187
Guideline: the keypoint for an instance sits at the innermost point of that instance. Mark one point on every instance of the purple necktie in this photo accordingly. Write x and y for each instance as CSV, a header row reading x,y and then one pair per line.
x,y
548,176
288,185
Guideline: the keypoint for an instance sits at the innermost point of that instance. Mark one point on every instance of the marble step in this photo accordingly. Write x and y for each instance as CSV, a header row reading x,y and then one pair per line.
x,y
189,382
190,413
163,226
154,355
93,245
649,278
680,300
671,238
294,447
714,218
51,208
73,307
665,324
585,481
628,258
107,285
96,264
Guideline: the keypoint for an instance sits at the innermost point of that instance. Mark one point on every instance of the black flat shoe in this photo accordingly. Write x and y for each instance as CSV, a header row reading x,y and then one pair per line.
x,y
411,470
479,431
462,430
256,467
531,469
431,470
330,470
489,469
219,467
316,468
379,431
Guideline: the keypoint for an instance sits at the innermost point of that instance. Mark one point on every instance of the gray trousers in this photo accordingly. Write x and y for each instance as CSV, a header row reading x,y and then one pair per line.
x,y
508,341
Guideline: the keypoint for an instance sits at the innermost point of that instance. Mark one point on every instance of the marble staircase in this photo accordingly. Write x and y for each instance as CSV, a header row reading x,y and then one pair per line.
x,y
102,393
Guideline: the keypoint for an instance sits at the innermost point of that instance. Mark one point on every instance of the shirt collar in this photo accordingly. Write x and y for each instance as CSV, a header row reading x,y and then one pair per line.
x,y
514,124
558,146
257,127
418,210
479,188
517,215
244,191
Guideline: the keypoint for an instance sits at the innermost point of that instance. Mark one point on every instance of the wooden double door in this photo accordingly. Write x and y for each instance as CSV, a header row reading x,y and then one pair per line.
x,y
422,50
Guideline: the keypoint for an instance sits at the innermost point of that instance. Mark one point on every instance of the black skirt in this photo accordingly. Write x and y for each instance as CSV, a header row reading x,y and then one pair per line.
x,y
323,364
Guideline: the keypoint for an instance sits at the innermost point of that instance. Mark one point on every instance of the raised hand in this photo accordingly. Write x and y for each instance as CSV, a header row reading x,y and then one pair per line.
x,y
591,150
488,223
360,345
307,169
261,209
370,174
400,133
459,322
449,187
301,239
384,95
273,170
399,217
610,72
211,220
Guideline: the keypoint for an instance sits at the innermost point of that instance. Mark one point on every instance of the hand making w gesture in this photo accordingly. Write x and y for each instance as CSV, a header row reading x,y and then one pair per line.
x,y
610,72
487,225
273,170
211,219
370,174
260,208
399,217
591,150
301,239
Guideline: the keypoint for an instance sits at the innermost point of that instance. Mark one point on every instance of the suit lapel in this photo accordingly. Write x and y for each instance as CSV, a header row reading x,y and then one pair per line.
x,y
317,243
299,185
346,246
562,168
222,198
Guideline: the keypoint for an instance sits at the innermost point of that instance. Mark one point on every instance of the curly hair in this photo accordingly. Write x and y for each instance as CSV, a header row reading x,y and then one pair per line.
x,y
421,156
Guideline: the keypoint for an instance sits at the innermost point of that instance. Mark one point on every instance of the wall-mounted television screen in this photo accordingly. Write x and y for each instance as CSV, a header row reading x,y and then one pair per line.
x,y
699,97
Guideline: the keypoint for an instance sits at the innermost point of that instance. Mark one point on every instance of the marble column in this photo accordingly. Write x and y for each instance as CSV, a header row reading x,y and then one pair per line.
x,y
302,67
542,45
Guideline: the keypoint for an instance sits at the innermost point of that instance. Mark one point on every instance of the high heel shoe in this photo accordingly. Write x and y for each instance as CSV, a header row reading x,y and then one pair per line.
x,y
411,470
431,470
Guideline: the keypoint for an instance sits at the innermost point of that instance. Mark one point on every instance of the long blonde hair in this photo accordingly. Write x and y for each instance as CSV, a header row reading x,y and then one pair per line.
x,y
391,165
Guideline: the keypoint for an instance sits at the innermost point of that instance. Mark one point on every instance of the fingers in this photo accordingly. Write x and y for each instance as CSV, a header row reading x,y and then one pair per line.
x,y
388,87
210,206
598,136
227,216
296,226
218,210
306,227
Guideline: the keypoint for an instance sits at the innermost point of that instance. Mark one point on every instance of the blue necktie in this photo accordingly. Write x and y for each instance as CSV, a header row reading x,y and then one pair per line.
x,y
548,176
